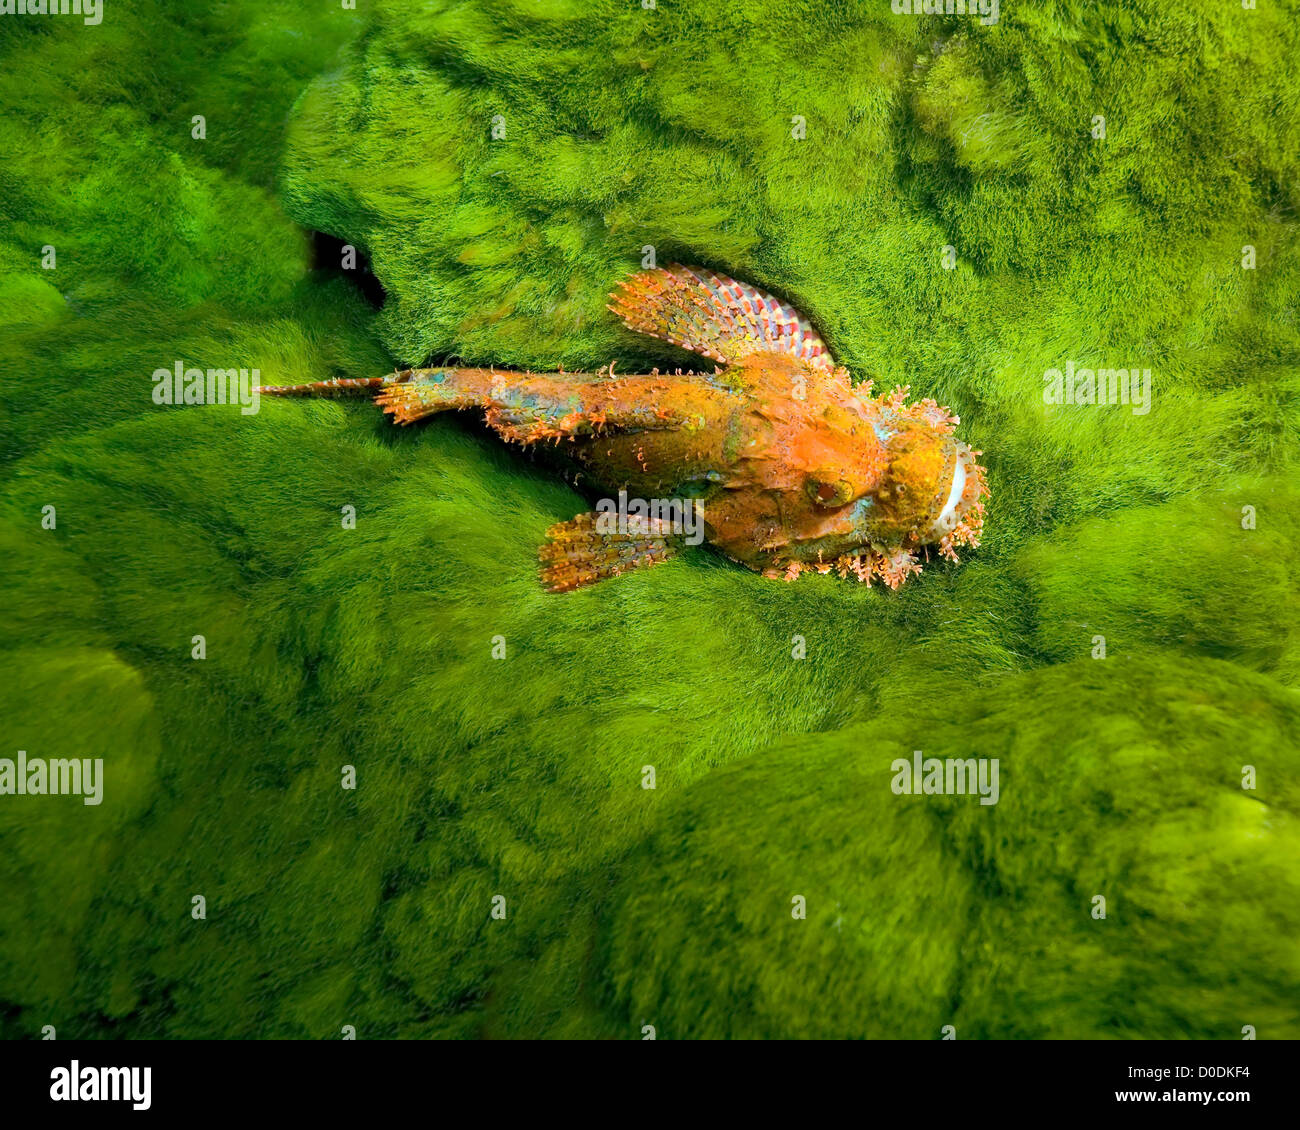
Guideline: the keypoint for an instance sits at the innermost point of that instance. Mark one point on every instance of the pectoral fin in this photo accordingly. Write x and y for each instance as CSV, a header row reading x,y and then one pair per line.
x,y
590,548
717,316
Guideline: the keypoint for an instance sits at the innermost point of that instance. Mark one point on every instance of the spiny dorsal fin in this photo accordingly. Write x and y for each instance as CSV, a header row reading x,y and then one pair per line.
x,y
716,316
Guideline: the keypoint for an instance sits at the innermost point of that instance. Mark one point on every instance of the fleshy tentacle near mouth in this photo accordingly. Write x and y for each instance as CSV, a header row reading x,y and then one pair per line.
x,y
962,520
891,566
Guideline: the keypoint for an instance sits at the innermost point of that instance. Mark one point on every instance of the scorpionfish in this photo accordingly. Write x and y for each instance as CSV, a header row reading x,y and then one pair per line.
x,y
792,465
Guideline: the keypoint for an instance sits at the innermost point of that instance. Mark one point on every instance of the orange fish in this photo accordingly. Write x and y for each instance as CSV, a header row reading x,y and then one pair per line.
x,y
776,456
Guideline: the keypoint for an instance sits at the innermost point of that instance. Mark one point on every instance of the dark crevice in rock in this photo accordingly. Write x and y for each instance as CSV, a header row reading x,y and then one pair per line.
x,y
337,257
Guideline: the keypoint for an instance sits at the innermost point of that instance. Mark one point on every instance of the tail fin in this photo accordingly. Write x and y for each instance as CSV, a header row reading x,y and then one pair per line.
x,y
410,394
526,407
340,386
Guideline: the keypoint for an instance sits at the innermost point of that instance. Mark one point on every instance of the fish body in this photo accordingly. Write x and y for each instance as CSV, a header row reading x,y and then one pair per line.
x,y
792,465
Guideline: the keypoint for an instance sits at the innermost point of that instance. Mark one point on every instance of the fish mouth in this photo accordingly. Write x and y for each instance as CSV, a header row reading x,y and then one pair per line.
x,y
962,516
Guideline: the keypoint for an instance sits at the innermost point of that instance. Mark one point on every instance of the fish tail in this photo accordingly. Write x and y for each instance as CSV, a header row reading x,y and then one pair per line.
x,y
521,407
409,394
339,386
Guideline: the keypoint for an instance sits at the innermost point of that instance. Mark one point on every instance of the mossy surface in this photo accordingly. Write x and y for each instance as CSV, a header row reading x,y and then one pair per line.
x,y
627,128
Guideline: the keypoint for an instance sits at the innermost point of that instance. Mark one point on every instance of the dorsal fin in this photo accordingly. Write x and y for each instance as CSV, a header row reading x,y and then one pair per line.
x,y
716,316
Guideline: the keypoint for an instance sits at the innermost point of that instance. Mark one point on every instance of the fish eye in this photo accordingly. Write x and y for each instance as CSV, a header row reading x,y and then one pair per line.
x,y
830,492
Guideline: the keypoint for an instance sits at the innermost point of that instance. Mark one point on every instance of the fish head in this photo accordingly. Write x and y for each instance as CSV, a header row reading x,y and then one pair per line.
x,y
902,483
931,489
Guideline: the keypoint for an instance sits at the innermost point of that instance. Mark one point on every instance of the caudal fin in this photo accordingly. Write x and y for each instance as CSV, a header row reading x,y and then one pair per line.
x,y
527,407
407,395
340,386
